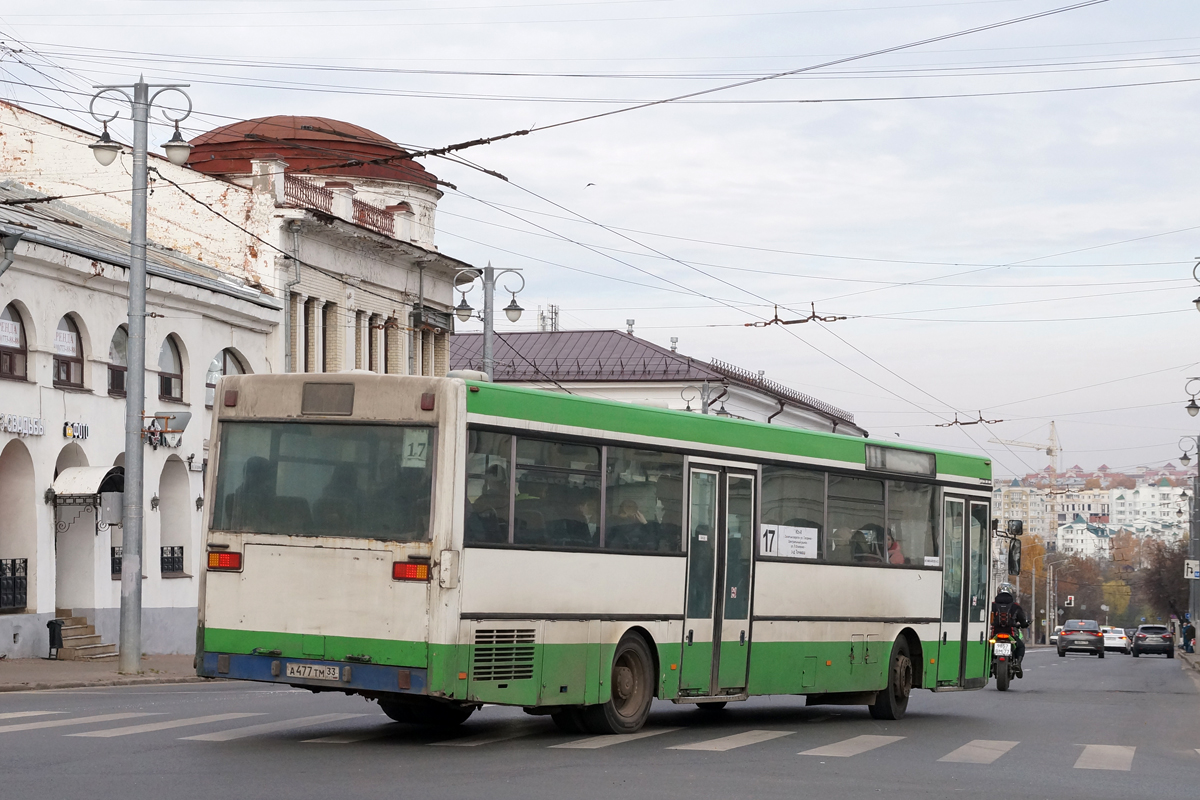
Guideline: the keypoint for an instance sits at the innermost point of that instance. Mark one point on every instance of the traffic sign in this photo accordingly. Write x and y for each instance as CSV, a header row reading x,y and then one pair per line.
x,y
1191,569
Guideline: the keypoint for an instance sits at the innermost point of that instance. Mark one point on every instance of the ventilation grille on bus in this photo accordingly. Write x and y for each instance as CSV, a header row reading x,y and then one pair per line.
x,y
503,655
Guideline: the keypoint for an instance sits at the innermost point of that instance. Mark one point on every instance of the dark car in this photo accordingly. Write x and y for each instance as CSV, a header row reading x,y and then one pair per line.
x,y
1153,639
1081,634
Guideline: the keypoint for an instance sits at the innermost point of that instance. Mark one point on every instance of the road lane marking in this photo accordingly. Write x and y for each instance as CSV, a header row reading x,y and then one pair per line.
x,y
59,723
851,747
268,727
490,737
148,727
18,714
1106,756
596,742
979,751
730,742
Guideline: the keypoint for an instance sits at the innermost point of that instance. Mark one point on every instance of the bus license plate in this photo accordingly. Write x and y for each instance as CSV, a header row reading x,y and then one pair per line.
x,y
1003,649
315,671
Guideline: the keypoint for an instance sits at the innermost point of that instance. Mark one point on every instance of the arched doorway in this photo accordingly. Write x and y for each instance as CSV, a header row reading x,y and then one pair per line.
x,y
18,527
174,518
74,542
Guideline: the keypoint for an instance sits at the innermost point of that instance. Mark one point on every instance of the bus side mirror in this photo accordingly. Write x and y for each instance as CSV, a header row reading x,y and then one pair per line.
x,y
1014,557
1016,527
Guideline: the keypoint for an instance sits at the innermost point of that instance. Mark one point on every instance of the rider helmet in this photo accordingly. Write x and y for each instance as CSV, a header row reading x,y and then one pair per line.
x,y
1007,587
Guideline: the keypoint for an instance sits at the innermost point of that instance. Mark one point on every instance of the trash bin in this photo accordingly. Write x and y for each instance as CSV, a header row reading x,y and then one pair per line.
x,y
55,626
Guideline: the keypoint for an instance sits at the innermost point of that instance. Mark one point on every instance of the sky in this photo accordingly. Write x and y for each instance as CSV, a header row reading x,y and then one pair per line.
x,y
1006,219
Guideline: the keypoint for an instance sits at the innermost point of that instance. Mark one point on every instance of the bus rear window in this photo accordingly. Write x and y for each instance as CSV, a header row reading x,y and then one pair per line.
x,y
325,479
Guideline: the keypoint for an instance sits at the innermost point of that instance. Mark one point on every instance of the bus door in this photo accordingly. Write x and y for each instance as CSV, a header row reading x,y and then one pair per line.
x,y
955,567
716,646
978,599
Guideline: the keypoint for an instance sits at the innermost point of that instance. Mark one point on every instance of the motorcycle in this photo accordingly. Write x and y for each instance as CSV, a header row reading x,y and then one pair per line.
x,y
1004,665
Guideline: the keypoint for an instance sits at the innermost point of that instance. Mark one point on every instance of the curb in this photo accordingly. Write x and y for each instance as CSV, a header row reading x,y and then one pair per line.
x,y
1190,659
131,681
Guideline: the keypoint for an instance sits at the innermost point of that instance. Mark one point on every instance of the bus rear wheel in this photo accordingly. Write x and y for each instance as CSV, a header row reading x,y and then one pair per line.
x,y
430,714
892,702
632,685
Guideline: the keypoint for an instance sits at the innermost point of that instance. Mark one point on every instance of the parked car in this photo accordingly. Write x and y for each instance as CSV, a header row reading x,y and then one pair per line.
x,y
1081,634
1153,639
1054,636
1115,638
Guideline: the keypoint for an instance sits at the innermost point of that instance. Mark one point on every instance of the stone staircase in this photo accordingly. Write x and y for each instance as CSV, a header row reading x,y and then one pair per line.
x,y
80,640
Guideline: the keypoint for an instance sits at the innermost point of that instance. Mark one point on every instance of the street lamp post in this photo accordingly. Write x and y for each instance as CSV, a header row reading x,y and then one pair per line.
x,y
464,311
1189,445
106,151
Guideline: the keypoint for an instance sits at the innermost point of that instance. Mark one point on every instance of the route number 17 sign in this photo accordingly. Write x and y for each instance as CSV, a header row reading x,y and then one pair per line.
x,y
785,541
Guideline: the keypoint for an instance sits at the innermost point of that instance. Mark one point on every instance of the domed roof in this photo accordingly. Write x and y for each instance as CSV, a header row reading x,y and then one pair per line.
x,y
314,145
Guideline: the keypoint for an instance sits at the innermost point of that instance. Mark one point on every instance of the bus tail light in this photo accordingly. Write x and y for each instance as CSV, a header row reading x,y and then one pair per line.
x,y
410,571
225,561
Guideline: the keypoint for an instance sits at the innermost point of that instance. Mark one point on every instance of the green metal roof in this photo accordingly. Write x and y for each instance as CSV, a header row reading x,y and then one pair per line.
x,y
555,408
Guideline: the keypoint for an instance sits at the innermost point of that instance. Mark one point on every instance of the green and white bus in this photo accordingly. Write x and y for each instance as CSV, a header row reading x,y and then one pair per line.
x,y
436,544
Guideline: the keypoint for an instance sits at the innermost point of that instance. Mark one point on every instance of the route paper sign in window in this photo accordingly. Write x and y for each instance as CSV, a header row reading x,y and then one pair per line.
x,y
785,541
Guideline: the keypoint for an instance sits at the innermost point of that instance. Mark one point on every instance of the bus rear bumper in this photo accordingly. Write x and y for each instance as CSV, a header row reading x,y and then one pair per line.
x,y
371,678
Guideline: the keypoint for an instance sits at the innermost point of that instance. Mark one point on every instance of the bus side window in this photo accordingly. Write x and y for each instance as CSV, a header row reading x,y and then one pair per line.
x,y
794,498
557,483
912,517
856,519
488,489
644,501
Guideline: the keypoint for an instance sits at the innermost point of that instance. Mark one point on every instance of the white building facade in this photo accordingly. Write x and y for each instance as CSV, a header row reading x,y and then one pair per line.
x,y
253,267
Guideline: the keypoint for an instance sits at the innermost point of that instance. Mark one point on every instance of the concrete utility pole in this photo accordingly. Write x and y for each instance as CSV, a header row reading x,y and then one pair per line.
x,y
106,151
464,311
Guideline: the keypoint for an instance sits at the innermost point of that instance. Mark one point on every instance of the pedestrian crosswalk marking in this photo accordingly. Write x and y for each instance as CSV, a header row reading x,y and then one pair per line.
x,y
608,740
149,727
268,727
491,737
59,723
354,737
730,742
979,751
1106,756
852,747
19,714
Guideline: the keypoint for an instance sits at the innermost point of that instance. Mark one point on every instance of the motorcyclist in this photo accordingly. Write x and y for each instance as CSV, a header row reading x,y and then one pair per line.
x,y
1008,617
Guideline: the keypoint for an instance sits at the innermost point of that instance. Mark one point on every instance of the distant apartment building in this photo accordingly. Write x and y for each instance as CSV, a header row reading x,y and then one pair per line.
x,y
1160,502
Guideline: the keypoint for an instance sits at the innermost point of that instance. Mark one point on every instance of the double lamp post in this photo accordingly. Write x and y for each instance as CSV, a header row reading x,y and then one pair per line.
x,y
106,151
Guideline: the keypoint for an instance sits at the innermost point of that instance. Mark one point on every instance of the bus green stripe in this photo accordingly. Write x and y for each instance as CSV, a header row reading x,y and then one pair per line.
x,y
332,648
585,412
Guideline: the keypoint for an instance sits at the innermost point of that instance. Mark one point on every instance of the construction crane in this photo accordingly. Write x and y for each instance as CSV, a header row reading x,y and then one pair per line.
x,y
1053,450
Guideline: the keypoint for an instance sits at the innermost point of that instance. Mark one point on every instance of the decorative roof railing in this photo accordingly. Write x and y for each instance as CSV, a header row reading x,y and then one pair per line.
x,y
778,389
306,194
375,218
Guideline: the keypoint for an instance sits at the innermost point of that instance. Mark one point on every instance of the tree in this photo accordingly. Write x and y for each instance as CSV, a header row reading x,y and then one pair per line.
x,y
1116,596
1162,582
1127,551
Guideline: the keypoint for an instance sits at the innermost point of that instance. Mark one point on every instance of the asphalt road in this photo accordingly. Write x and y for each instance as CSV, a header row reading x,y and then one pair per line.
x,y
1076,727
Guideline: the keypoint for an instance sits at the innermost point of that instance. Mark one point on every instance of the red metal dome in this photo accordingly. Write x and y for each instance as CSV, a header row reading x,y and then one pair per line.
x,y
313,145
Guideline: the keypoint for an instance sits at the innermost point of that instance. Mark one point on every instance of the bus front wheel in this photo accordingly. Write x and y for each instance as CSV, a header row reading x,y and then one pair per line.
x,y
430,714
892,702
632,685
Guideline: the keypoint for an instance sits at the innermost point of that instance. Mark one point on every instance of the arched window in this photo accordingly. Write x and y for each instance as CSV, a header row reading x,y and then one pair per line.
x,y
13,353
118,362
68,354
223,363
170,371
